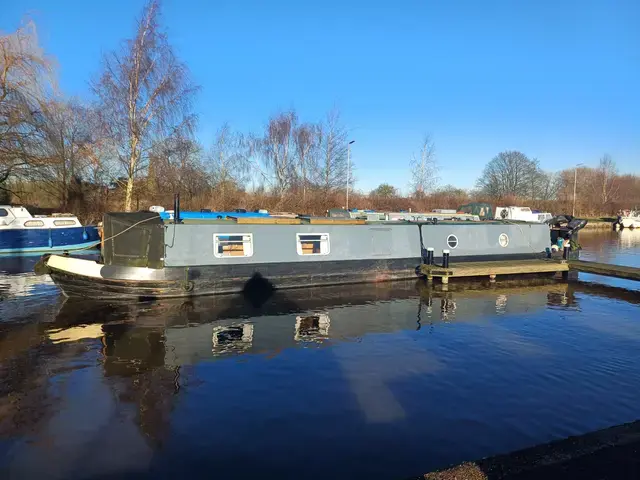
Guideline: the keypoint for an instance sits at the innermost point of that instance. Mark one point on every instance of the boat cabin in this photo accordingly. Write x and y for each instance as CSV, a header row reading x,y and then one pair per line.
x,y
522,214
15,217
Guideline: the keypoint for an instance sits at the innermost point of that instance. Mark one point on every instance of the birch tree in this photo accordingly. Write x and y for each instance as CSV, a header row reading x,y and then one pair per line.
x,y
278,150
145,95
305,140
424,169
332,162
605,181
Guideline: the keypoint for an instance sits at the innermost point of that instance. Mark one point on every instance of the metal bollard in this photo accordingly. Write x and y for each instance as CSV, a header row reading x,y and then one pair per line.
x,y
176,208
429,255
445,258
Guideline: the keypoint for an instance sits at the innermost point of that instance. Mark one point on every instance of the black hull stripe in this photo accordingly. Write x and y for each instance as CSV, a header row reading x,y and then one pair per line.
x,y
223,279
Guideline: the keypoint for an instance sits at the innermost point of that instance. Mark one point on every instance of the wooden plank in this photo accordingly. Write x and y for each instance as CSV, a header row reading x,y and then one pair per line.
x,y
336,221
506,267
617,271
267,220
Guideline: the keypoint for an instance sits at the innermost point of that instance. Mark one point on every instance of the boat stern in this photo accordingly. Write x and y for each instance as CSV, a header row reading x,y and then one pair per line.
x,y
78,277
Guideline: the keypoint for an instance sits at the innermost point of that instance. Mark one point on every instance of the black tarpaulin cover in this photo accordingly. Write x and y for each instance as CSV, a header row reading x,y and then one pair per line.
x,y
134,239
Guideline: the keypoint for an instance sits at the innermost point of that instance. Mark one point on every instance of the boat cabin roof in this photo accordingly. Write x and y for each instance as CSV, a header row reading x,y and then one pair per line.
x,y
308,220
13,210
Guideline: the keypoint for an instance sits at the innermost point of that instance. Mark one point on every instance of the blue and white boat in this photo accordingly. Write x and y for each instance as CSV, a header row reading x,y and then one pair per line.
x,y
21,232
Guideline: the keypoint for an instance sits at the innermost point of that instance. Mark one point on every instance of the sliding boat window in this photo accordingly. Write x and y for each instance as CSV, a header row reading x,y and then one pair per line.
x,y
64,223
233,245
3,213
34,223
312,244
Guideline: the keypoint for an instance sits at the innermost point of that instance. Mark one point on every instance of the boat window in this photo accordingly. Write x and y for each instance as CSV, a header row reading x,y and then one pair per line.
x,y
3,212
233,245
34,223
64,223
452,241
503,240
316,244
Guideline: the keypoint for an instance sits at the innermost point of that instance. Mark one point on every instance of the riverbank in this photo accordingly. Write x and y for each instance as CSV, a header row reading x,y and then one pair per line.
x,y
609,453
599,223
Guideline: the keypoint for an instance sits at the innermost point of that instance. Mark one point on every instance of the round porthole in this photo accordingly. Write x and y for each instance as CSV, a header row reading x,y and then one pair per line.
x,y
503,240
452,241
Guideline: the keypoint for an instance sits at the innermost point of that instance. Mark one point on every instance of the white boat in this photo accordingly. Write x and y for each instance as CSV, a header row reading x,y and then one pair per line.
x,y
522,214
22,232
630,219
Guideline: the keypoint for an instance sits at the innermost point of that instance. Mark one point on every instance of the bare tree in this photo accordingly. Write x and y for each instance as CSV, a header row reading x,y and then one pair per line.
x,y
605,181
306,141
510,173
424,169
332,142
145,96
228,163
65,140
548,185
25,77
175,166
278,150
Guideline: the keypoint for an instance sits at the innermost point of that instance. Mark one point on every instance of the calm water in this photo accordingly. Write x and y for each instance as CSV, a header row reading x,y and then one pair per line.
x,y
387,381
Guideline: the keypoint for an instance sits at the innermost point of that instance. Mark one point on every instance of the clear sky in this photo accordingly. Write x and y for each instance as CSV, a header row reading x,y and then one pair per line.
x,y
557,80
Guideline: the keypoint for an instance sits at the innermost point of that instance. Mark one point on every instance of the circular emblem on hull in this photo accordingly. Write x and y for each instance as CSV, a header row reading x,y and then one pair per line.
x,y
503,240
452,241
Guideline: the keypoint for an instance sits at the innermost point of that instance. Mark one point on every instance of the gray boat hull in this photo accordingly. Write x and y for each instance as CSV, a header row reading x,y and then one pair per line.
x,y
354,254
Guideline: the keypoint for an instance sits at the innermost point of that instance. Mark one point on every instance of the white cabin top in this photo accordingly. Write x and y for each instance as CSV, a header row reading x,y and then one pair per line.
x,y
12,217
524,214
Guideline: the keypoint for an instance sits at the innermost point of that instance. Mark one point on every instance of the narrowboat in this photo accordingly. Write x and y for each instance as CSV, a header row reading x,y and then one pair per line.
x,y
145,256
21,232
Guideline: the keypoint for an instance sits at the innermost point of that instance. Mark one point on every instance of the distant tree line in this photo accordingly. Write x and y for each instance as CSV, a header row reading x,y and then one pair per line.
x,y
512,178
133,146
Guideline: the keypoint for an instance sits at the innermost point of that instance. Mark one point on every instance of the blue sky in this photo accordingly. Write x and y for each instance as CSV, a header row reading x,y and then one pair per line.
x,y
559,81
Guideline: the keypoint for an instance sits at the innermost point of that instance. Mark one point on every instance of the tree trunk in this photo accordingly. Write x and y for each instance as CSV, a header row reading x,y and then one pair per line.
x,y
131,172
128,195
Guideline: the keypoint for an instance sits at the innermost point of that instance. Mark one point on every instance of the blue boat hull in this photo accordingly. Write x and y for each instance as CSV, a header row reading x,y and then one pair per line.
x,y
48,239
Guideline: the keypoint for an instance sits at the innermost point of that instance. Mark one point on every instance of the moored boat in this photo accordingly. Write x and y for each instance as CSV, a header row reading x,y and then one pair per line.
x,y
145,256
21,232
524,214
630,219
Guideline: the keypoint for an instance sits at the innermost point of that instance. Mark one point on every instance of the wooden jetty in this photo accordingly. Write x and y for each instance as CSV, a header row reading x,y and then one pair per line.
x,y
524,267
608,270
493,269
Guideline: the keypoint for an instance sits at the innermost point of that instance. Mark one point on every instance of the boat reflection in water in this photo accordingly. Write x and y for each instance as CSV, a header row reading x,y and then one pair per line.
x,y
183,385
312,328
208,328
233,339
